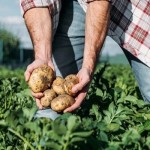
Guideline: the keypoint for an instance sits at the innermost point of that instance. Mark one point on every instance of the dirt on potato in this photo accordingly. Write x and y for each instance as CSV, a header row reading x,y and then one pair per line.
x,y
60,103
70,81
58,85
41,78
49,95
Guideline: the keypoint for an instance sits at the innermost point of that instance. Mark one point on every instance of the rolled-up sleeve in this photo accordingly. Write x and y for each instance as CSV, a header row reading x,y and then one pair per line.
x,y
54,7
29,4
88,1
84,3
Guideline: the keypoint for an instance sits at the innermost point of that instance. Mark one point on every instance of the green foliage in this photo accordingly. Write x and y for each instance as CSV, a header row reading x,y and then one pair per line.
x,y
10,45
113,117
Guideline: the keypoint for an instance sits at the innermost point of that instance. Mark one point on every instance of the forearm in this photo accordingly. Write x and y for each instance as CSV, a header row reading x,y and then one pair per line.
x,y
97,18
39,25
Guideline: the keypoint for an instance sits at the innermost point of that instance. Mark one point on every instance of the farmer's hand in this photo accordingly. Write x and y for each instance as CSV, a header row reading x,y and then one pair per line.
x,y
35,64
81,88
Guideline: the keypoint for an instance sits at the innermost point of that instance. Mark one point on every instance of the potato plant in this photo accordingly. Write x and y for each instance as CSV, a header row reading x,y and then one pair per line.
x,y
113,116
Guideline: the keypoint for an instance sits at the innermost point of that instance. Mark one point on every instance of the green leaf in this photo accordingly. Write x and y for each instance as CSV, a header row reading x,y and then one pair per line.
x,y
120,109
101,126
147,125
148,141
131,99
82,134
113,127
103,136
118,89
53,145
131,135
55,136
59,128
107,113
95,111
9,148
33,127
147,116
114,145
111,108
99,92
107,118
29,113
3,123
71,124
77,139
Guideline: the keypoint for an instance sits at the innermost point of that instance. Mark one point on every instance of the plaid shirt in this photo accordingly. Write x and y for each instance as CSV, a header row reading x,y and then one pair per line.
x,y
129,22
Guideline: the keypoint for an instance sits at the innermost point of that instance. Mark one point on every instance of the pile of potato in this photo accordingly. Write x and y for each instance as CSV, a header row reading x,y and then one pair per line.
x,y
57,91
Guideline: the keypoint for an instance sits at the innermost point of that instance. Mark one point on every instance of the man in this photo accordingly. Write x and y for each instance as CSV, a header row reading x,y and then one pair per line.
x,y
75,45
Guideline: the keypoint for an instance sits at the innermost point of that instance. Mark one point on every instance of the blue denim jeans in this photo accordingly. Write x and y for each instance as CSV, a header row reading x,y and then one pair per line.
x,y
68,45
142,75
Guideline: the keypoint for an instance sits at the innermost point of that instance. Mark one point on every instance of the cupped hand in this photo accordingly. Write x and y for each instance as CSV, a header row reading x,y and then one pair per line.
x,y
35,64
81,88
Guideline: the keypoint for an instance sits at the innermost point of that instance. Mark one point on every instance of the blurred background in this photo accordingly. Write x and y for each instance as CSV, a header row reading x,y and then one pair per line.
x,y
15,45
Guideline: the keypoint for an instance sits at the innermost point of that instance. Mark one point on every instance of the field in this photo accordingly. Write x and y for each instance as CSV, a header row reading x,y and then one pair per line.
x,y
113,116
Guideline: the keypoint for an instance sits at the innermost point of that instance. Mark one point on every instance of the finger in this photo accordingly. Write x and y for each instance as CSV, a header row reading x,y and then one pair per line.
x,y
28,72
27,76
72,108
38,103
31,67
37,95
77,104
78,87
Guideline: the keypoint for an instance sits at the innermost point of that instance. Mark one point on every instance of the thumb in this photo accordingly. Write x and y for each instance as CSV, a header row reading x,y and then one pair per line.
x,y
78,87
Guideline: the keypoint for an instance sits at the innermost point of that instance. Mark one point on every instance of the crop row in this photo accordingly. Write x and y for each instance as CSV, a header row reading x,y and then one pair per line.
x,y
113,116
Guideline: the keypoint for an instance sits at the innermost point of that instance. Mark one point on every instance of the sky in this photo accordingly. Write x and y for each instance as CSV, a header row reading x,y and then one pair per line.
x,y
11,18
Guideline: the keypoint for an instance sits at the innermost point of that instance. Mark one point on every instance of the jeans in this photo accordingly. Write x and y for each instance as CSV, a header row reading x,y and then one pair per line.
x,y
68,46
141,73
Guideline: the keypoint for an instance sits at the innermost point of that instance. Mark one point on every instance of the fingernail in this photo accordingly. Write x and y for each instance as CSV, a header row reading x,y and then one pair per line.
x,y
74,90
65,111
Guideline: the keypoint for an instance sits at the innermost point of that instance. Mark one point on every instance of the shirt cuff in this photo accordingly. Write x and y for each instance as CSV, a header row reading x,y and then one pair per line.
x,y
25,5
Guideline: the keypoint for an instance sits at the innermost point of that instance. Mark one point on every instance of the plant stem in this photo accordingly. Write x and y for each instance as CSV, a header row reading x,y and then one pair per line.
x,y
39,147
22,138
67,141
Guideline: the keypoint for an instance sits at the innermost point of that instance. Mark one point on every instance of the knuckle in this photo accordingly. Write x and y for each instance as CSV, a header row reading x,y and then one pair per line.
x,y
87,79
80,87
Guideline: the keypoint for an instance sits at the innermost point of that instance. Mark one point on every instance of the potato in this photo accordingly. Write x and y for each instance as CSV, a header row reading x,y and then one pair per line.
x,y
70,81
58,85
49,95
62,102
41,78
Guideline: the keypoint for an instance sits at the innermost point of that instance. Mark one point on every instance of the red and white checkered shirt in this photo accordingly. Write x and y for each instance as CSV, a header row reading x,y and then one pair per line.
x,y
129,23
